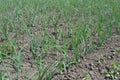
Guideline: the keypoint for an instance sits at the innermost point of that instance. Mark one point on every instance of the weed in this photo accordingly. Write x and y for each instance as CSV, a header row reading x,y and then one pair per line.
x,y
113,73
87,76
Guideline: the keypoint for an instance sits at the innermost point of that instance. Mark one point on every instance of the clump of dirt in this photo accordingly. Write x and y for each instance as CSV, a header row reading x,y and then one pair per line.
x,y
103,64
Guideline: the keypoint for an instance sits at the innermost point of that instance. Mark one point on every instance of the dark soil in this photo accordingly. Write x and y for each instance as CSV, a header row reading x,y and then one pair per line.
x,y
95,65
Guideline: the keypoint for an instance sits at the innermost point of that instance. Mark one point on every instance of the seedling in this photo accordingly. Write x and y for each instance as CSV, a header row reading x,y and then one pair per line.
x,y
87,76
113,73
39,17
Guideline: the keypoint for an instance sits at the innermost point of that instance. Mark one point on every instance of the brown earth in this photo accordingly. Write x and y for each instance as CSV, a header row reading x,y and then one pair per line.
x,y
96,64
93,66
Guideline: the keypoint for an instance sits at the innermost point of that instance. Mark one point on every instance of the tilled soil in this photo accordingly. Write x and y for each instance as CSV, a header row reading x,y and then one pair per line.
x,y
97,65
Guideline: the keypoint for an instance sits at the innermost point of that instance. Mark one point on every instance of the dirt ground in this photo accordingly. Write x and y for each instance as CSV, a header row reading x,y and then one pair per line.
x,y
95,65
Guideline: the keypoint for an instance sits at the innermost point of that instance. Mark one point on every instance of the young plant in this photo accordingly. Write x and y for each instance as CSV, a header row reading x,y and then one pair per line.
x,y
45,71
55,25
5,32
113,74
100,34
84,35
87,76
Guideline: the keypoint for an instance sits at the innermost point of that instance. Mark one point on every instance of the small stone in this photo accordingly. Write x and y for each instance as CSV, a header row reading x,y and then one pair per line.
x,y
112,51
110,57
89,66
107,67
102,71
